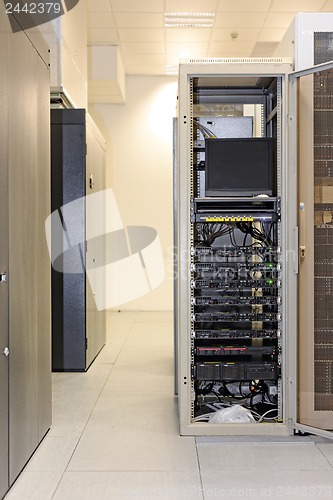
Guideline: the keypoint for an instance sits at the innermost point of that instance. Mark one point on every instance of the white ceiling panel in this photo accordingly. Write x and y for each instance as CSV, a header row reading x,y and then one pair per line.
x,y
244,34
142,48
328,6
271,34
264,49
173,59
98,6
243,5
139,20
232,53
230,47
190,5
137,5
137,26
297,5
278,20
240,20
144,59
187,34
137,69
186,47
100,20
99,36
141,35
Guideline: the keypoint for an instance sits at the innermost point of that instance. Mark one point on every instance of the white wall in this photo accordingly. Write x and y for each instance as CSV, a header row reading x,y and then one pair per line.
x,y
140,165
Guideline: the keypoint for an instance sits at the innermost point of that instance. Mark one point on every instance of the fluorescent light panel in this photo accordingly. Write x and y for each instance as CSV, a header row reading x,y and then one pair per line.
x,y
189,19
171,69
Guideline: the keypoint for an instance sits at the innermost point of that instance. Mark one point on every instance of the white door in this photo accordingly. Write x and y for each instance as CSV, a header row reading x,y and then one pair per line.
x,y
311,154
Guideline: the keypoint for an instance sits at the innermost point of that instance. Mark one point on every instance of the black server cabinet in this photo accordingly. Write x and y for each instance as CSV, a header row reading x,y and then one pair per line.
x,y
77,170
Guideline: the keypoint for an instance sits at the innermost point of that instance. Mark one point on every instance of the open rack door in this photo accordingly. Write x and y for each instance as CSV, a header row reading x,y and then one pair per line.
x,y
311,155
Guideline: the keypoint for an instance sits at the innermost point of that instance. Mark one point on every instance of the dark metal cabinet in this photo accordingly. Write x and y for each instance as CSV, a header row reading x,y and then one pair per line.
x,y
78,170
25,296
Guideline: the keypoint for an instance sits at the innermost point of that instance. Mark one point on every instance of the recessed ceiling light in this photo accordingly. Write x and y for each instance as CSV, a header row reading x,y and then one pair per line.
x,y
189,19
171,69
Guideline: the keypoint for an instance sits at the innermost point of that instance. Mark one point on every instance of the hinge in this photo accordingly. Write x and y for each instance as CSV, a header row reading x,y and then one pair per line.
x,y
86,149
86,343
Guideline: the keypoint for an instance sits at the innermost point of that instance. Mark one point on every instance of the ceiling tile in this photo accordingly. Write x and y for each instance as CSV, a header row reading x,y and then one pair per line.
x,y
243,5
297,5
187,34
271,34
144,59
232,53
102,35
230,48
277,20
142,48
244,35
190,48
264,49
98,6
100,20
139,20
173,59
138,69
137,5
141,35
190,5
239,20
328,6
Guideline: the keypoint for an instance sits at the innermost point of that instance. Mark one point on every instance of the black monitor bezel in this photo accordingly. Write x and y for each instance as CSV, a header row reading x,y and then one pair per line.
x,y
220,191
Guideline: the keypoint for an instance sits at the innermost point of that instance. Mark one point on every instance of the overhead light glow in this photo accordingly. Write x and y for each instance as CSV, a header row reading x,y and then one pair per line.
x,y
189,19
171,69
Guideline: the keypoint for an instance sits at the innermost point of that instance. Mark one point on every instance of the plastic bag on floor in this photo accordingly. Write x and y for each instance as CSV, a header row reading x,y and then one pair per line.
x,y
235,414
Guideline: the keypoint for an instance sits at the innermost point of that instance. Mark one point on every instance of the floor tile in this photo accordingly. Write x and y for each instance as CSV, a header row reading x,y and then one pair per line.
x,y
136,373
123,485
147,336
133,440
53,454
291,485
130,451
131,402
35,486
327,450
279,457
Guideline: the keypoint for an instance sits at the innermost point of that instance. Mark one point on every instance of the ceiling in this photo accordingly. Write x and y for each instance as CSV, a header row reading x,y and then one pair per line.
x,y
150,48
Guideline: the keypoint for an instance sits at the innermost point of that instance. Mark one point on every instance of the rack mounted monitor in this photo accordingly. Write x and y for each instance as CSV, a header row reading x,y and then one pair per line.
x,y
239,167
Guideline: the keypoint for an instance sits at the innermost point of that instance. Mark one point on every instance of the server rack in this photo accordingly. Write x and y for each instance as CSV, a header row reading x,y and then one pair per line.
x,y
78,170
238,255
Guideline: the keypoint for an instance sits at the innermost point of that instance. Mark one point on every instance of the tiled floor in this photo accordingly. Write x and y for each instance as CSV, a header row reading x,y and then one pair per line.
x,y
115,436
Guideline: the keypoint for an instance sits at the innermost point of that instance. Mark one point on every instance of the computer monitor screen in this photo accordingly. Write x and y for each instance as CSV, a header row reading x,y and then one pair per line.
x,y
239,167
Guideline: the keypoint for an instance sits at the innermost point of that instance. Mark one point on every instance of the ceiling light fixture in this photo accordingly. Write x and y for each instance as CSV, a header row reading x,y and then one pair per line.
x,y
171,69
189,19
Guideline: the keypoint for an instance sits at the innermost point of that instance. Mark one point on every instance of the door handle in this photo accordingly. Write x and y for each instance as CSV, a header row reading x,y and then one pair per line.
x,y
302,247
